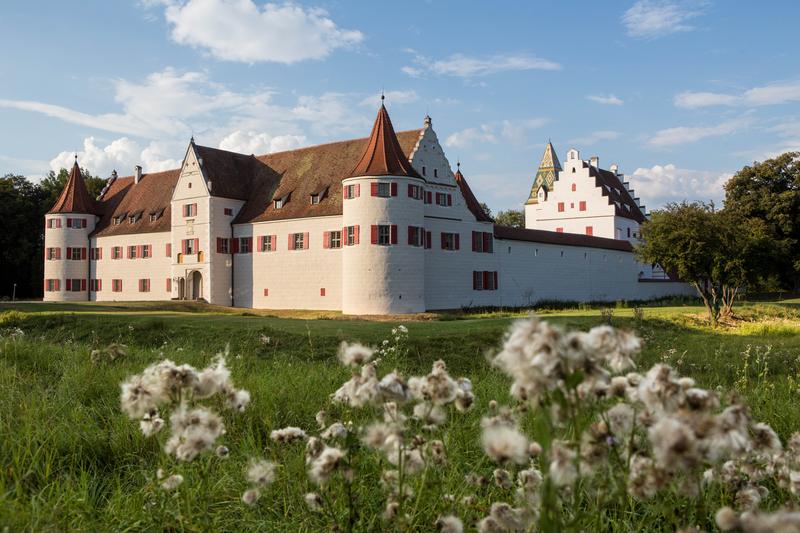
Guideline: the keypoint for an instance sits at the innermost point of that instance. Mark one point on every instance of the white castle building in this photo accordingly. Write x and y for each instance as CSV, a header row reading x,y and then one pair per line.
x,y
367,226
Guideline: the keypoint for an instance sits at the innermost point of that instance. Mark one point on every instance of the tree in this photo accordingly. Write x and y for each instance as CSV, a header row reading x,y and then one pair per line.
x,y
770,191
718,252
486,209
511,217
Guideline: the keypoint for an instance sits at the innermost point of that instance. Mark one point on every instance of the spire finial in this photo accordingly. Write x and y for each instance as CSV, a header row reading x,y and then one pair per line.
x,y
76,158
383,96
458,163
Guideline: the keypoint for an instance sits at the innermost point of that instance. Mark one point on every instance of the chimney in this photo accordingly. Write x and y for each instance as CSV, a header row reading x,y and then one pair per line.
x,y
137,174
594,161
614,168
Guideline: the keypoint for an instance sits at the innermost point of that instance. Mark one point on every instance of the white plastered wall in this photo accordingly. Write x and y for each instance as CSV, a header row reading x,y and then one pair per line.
x,y
64,269
156,268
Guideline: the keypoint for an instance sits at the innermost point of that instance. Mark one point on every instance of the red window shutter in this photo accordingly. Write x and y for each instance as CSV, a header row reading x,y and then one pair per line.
x,y
410,234
322,291
99,253
428,197
560,207
345,193
69,225
356,231
357,190
168,249
196,245
69,282
219,245
83,284
274,242
374,188
83,253
139,249
58,225
410,191
234,246
428,240
582,205
58,253
374,234
326,239
487,242
169,285
443,241
589,230
266,292
475,277
306,241
394,234
449,199
458,241
99,285
83,222
291,241
184,246
495,280
249,244
394,188
475,241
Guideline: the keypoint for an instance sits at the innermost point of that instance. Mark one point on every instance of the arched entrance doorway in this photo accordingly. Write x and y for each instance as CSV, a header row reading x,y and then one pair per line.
x,y
196,283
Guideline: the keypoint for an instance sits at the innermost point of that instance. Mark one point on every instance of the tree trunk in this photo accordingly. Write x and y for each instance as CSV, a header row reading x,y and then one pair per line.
x,y
729,294
710,300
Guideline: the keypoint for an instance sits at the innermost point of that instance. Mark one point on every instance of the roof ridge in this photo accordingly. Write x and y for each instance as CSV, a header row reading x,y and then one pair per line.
x,y
331,143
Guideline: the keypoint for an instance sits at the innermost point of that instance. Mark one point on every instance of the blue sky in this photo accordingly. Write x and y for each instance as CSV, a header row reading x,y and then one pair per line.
x,y
679,93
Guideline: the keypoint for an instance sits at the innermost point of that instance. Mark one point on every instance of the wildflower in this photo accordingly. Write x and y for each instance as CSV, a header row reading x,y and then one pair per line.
x,y
644,479
172,482
321,418
314,501
222,452
430,414
261,472
362,389
354,354
616,347
437,387
391,510
505,443
337,430
534,449
464,396
436,452
324,465
287,435
674,445
238,400
562,464
193,432
140,395
393,388
620,420
749,497
726,519
765,439
251,496
450,524
660,390
151,424
490,524
502,478
213,380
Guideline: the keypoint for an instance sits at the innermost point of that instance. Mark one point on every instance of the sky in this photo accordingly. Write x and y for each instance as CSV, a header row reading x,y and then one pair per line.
x,y
679,93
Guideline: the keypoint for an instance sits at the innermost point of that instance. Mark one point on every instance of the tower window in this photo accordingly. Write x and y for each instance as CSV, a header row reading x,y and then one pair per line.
x,y
435,172
423,171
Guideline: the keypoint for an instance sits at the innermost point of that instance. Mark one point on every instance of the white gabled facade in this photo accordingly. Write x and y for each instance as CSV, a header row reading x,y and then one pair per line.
x,y
409,236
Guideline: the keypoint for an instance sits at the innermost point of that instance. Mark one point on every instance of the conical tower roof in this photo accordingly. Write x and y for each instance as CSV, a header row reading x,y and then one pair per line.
x,y
75,197
547,173
383,155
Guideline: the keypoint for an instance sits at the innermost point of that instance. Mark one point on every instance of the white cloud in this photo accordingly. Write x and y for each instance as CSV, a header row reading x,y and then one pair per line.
x,y
392,97
605,100
511,131
241,30
661,184
651,19
250,142
594,137
773,94
463,66
689,134
121,154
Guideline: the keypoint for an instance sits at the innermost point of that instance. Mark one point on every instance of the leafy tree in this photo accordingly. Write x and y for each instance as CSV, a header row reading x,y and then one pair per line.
x,y
511,217
486,209
717,252
770,191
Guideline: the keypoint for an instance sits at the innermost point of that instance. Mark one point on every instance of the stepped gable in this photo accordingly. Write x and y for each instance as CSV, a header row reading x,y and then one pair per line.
x,y
152,195
75,196
564,239
383,155
618,195
472,203
305,171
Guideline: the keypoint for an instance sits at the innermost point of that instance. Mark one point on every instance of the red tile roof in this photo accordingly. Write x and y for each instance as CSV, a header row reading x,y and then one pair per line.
x,y
75,197
383,156
472,203
564,239
314,170
123,197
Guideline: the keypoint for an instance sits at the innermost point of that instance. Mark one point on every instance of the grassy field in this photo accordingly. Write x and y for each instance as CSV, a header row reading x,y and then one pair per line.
x,y
71,460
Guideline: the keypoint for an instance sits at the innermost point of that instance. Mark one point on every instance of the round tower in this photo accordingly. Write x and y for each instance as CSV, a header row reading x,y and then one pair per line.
x,y
383,257
67,249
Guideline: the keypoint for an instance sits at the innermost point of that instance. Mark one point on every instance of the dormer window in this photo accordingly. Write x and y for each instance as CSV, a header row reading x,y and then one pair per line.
x,y
314,199
317,197
134,217
279,203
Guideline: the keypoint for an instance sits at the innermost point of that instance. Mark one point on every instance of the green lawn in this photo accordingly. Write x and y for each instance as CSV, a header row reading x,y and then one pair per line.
x,y
71,460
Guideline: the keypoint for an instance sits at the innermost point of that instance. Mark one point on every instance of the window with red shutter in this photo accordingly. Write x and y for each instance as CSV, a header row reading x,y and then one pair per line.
x,y
374,234
495,280
589,230
374,188
573,187
394,188
559,230
357,190
428,197
234,246
322,291
219,245
356,234
83,284
560,207
196,243
486,280
69,282
266,292
475,241
582,205
83,253
449,200
291,241
326,239
394,234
